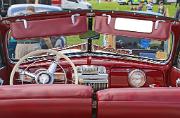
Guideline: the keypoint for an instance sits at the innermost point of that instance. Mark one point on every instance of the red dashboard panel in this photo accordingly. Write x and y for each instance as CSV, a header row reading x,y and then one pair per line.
x,y
118,70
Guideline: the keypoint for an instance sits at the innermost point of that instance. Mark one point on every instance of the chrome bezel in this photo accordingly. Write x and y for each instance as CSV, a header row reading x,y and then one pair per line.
x,y
142,81
51,77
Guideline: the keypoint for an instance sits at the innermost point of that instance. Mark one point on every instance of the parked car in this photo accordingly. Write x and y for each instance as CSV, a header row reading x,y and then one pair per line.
x,y
20,9
86,79
133,2
5,4
72,4
122,2
67,4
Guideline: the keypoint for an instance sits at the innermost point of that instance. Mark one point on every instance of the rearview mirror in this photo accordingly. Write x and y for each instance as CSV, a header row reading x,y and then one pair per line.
x,y
90,35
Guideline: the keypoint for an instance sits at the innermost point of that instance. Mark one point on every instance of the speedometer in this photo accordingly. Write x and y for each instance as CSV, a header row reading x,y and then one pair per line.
x,y
137,78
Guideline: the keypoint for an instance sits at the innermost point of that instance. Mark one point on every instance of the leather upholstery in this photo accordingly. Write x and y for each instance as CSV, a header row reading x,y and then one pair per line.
x,y
139,103
45,101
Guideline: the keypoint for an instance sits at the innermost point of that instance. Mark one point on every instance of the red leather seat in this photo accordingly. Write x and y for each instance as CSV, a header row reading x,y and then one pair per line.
x,y
139,103
45,101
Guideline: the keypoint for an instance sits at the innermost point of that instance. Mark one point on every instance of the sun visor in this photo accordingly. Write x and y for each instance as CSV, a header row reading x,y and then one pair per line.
x,y
158,30
73,25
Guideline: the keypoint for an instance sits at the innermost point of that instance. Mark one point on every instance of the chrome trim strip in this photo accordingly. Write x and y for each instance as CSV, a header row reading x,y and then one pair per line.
x,y
178,69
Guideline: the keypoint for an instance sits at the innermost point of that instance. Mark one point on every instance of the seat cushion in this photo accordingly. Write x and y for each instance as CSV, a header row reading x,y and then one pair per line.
x,y
45,101
139,103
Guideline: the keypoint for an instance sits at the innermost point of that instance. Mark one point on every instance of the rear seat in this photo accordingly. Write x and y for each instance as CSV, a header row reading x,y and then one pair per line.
x,y
45,101
139,103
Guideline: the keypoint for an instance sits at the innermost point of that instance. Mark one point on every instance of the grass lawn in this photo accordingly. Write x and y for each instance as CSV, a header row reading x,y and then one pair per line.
x,y
114,6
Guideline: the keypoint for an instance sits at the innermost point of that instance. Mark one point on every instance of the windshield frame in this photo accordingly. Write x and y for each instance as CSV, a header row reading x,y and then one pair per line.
x,y
169,56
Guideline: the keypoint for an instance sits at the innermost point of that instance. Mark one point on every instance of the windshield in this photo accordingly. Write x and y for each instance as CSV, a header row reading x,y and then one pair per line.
x,y
19,48
135,47
140,48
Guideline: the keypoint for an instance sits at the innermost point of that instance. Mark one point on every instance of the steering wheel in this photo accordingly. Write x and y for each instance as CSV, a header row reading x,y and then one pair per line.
x,y
44,77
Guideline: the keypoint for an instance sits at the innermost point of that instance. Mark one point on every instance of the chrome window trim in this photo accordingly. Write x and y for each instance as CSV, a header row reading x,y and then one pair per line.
x,y
171,51
176,68
1,68
7,51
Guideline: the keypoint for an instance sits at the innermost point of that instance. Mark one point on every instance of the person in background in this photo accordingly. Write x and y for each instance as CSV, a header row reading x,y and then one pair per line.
x,y
24,47
47,2
53,42
133,8
104,40
177,15
140,6
161,8
60,42
177,2
149,6
22,2
12,2
11,47
30,10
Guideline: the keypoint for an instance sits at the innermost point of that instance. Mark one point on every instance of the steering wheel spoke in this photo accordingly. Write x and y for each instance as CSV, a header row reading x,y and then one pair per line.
x,y
32,75
25,76
52,68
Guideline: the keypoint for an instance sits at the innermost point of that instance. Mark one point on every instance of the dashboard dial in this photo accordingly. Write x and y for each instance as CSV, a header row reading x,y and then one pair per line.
x,y
137,78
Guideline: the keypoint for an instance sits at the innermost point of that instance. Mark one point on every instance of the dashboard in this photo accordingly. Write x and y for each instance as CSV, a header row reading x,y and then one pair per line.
x,y
102,73
101,77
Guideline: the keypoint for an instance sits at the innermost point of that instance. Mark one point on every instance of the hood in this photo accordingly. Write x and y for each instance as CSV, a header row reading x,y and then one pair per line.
x,y
86,3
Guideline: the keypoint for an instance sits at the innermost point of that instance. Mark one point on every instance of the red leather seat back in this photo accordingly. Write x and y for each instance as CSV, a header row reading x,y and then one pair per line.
x,y
46,101
139,103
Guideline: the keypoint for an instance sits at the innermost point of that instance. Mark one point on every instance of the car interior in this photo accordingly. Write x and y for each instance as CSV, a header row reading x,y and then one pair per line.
x,y
88,82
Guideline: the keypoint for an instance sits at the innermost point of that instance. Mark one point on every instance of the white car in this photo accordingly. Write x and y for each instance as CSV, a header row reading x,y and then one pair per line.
x,y
75,4
20,9
122,2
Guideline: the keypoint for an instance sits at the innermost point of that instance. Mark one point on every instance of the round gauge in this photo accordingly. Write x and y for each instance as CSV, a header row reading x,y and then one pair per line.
x,y
137,78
